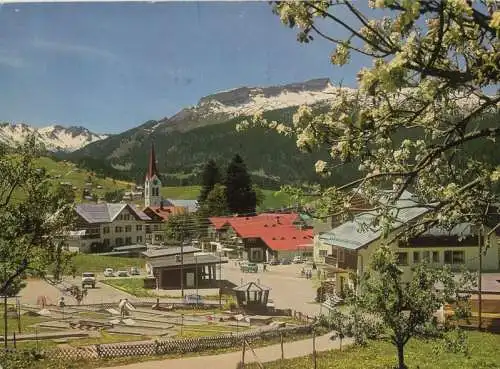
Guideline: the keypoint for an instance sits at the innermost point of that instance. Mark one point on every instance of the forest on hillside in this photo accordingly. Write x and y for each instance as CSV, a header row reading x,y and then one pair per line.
x,y
271,158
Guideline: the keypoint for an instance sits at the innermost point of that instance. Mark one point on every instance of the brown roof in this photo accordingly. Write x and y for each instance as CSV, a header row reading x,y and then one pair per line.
x,y
163,211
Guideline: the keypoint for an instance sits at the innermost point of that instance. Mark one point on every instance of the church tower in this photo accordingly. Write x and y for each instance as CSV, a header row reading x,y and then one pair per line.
x,y
152,184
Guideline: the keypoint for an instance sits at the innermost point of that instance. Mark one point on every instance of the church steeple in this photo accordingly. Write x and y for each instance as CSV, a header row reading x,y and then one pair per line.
x,y
152,170
152,184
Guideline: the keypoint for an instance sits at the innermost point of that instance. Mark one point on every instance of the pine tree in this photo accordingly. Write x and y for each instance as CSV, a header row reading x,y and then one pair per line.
x,y
210,177
241,197
216,202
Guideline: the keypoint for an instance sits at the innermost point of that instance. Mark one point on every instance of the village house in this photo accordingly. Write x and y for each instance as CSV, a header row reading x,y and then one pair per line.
x,y
264,237
166,267
349,246
101,227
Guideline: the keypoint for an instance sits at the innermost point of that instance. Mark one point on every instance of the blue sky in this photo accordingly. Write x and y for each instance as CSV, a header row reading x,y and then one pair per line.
x,y
112,66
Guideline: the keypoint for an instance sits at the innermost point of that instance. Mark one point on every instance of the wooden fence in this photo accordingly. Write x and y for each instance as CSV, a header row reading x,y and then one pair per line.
x,y
162,347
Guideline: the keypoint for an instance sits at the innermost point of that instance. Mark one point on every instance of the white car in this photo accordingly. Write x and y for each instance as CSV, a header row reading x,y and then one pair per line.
x,y
297,260
122,273
88,279
108,272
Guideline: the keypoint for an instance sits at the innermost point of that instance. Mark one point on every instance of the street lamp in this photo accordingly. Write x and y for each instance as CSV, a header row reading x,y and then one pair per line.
x,y
220,278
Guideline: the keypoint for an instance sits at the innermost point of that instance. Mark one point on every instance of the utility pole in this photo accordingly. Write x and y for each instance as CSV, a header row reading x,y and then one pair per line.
x,y
480,282
5,321
220,278
182,268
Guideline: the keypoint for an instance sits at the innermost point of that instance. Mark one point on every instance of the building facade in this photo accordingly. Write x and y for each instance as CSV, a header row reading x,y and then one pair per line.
x,y
101,227
350,246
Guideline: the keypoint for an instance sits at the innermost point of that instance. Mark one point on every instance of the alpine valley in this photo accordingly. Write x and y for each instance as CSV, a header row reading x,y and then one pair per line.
x,y
185,141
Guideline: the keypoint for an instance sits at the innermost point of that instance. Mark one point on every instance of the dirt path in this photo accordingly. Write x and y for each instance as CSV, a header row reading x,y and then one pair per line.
x,y
230,360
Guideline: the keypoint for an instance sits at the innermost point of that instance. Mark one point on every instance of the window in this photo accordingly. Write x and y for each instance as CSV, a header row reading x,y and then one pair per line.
x,y
128,228
138,227
139,239
105,242
118,229
158,237
323,253
454,257
156,227
105,230
402,258
435,256
426,256
119,241
416,257
128,240
126,216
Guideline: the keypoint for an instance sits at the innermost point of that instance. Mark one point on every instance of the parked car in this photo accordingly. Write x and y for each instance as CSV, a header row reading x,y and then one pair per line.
x,y
122,273
193,299
298,260
274,262
108,272
249,268
88,279
285,261
134,271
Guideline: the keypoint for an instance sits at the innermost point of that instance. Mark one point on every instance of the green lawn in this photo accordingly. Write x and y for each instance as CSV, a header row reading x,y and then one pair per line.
x,y
420,354
96,263
272,199
181,192
133,286
26,323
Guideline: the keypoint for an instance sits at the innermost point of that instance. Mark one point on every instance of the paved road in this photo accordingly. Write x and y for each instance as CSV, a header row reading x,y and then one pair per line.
x,y
231,360
102,293
288,289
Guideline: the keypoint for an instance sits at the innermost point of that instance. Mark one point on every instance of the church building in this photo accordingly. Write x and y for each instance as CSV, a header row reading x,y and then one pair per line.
x,y
152,184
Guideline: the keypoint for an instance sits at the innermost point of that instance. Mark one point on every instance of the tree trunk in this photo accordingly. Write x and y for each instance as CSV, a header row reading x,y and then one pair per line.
x,y
401,356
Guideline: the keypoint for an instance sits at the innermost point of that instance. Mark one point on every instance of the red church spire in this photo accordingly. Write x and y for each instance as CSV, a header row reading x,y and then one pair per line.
x,y
152,170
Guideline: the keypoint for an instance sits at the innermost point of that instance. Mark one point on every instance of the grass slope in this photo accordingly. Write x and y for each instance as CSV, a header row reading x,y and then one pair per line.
x,y
421,354
63,171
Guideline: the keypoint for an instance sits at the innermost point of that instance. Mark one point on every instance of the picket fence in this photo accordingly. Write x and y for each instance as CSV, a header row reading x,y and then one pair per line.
x,y
170,346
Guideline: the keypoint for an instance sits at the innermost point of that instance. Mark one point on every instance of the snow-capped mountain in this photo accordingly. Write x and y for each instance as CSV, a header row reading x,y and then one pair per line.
x,y
55,138
245,101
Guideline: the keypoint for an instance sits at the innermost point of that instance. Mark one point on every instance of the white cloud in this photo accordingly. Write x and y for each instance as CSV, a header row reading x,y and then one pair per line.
x,y
11,60
82,50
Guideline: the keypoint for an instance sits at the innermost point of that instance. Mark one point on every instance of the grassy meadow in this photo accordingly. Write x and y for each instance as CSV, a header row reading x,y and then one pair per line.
x,y
419,354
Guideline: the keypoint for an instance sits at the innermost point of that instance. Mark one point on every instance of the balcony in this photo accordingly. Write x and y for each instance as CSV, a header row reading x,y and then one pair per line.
x,y
347,263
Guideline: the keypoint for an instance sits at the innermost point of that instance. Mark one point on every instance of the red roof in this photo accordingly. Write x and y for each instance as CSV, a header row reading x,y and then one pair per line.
x,y
276,230
269,218
152,170
288,238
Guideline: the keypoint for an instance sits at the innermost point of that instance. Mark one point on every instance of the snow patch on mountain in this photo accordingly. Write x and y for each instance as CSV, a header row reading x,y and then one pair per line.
x,y
246,101
55,137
